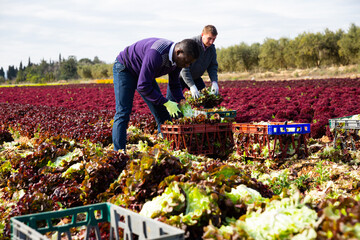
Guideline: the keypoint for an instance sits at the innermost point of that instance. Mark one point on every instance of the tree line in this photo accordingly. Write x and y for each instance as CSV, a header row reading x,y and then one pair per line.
x,y
307,50
63,69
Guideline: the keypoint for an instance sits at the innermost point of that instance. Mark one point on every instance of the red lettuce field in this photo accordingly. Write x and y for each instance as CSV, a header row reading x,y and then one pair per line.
x,y
305,101
56,153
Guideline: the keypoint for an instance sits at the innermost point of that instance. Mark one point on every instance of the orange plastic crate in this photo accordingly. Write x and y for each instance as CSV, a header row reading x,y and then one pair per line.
x,y
203,139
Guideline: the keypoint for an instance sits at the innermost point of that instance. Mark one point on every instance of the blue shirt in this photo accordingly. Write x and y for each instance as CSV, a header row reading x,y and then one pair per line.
x,y
148,59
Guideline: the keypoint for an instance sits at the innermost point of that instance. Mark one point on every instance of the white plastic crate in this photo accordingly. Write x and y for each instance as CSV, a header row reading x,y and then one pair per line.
x,y
34,226
344,123
347,123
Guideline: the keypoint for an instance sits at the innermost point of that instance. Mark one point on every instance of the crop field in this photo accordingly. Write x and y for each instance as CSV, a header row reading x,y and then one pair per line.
x,y
56,153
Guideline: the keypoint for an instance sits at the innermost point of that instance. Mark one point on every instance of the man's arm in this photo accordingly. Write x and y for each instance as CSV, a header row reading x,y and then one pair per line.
x,y
213,68
186,76
174,85
212,71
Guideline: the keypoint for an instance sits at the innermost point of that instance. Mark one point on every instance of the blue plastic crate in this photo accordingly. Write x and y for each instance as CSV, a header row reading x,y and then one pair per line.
x,y
299,128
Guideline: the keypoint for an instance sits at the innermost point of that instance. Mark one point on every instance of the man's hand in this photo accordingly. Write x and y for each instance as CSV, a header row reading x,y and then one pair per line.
x,y
194,92
214,87
172,108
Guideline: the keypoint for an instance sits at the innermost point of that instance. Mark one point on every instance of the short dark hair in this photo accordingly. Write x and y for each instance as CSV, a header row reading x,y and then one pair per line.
x,y
210,29
190,48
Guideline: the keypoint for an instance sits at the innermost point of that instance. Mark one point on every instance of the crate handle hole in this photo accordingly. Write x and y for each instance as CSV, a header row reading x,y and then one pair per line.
x,y
81,217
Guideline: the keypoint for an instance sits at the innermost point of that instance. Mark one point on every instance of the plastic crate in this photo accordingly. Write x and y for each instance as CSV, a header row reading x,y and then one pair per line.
x,y
203,139
344,123
273,140
223,114
34,226
345,132
290,128
273,128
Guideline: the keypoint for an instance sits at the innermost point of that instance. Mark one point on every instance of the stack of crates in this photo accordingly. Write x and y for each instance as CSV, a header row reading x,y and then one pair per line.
x,y
204,139
271,140
123,224
347,126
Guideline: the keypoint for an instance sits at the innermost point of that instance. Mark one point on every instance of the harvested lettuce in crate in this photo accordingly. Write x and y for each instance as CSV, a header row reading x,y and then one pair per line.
x,y
207,99
186,109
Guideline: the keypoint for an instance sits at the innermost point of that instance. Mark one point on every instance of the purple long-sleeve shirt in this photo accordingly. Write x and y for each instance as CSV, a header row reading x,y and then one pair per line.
x,y
148,59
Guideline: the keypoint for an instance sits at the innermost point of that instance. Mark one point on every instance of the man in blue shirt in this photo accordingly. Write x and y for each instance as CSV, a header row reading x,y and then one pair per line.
x,y
190,77
136,68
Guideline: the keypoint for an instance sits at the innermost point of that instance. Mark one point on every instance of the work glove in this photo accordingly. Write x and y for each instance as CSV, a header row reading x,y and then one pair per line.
x,y
215,88
194,92
172,108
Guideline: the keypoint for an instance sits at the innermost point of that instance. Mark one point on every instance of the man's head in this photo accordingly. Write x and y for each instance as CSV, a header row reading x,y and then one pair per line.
x,y
208,35
185,53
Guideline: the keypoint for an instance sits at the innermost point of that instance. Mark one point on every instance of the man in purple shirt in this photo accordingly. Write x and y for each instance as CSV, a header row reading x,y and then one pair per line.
x,y
136,68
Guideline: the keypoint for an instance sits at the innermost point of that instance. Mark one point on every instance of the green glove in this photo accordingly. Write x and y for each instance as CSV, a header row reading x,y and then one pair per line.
x,y
172,108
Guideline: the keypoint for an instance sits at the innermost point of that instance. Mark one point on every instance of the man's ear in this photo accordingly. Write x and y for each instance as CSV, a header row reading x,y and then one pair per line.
x,y
179,51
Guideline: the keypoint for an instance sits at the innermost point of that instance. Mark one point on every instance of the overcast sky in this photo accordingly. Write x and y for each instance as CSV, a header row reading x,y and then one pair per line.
x,y
43,29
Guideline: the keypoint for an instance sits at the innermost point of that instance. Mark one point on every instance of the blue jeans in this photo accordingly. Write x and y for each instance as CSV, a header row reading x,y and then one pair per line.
x,y
199,83
124,86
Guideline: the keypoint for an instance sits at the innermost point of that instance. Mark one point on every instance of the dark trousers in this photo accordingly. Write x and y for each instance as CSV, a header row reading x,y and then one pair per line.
x,y
124,86
199,83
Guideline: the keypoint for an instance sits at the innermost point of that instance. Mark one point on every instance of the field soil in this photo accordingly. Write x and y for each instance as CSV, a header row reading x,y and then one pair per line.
x,y
351,71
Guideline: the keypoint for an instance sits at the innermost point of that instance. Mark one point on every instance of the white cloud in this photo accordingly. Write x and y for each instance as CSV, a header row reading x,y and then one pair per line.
x,y
42,29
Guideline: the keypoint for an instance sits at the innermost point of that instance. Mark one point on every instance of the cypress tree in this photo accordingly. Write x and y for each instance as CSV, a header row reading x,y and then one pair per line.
x,y
29,63
2,72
